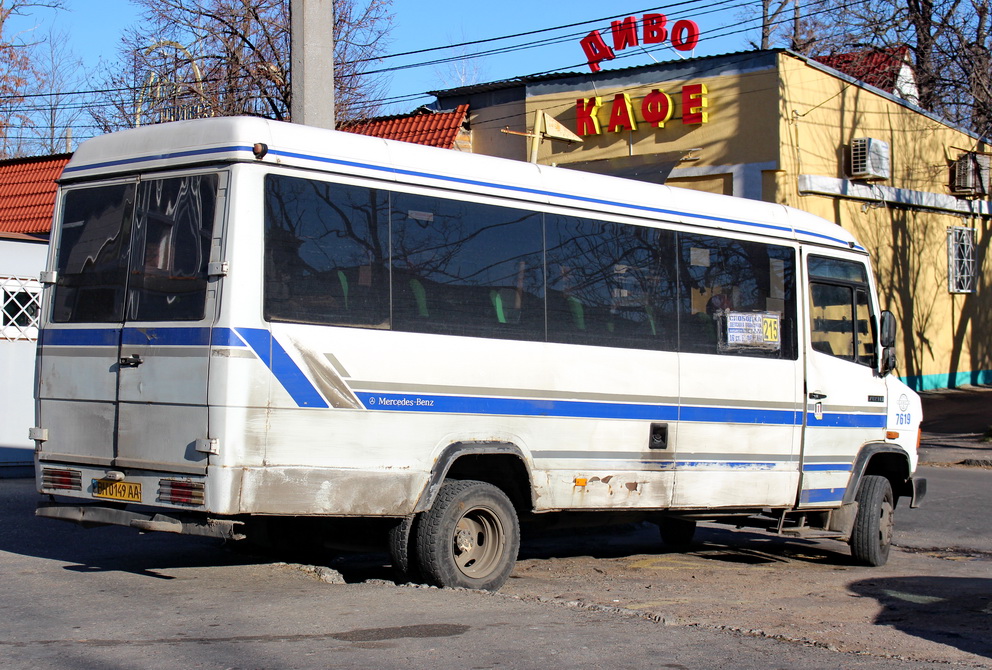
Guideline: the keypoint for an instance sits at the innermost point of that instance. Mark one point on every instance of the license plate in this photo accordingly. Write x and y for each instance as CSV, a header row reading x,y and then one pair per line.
x,y
113,490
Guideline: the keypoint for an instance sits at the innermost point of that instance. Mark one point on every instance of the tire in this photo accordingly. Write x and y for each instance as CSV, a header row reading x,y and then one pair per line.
x,y
871,537
402,550
677,533
469,538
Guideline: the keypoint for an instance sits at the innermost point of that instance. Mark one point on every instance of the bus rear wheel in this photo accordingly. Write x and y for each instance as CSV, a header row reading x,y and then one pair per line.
x,y
468,538
871,537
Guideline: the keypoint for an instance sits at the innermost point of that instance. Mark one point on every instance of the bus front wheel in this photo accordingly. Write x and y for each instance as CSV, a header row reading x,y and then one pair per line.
x,y
871,537
469,537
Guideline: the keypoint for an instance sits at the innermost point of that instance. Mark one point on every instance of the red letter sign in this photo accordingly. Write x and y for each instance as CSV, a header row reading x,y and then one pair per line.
x,y
657,108
655,31
694,104
596,50
624,33
621,114
586,122
685,35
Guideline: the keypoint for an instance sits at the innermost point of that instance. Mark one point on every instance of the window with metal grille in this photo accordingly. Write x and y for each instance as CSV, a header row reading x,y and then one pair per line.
x,y
960,260
21,302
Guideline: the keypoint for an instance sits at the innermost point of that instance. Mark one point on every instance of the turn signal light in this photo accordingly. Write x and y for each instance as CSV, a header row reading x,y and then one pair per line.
x,y
180,492
61,479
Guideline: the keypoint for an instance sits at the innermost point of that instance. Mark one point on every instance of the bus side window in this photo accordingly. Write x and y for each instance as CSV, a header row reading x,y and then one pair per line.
x,y
841,320
831,325
325,253
466,268
610,284
737,297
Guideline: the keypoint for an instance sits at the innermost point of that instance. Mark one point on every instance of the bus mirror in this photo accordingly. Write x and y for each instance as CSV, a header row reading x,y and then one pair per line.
x,y
888,361
887,336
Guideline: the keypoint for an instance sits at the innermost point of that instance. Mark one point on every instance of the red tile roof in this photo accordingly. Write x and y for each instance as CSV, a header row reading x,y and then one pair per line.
x,y
27,193
433,129
876,67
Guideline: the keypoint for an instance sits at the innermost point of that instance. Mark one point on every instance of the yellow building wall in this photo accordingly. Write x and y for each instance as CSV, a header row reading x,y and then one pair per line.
x,y
945,338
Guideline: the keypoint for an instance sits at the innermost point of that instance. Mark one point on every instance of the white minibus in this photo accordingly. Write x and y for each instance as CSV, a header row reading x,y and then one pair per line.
x,y
247,321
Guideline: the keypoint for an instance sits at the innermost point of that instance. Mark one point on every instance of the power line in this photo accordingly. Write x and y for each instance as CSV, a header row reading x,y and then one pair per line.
x,y
498,51
710,8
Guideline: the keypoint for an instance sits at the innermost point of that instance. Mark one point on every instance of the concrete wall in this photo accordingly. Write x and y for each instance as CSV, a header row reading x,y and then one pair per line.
x,y
23,261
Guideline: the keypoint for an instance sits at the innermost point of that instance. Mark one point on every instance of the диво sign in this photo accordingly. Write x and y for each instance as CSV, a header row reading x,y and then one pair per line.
x,y
654,30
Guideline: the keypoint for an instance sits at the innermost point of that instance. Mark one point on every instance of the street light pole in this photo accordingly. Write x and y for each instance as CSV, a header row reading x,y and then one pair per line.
x,y
312,62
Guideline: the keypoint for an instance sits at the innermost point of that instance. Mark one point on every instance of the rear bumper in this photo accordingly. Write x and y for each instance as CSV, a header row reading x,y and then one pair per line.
x,y
96,515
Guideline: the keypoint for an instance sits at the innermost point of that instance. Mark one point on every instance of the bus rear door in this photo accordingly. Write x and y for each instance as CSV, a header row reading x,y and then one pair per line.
x,y
125,352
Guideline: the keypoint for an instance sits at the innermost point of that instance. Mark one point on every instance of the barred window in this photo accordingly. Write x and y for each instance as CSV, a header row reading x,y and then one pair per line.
x,y
960,260
21,301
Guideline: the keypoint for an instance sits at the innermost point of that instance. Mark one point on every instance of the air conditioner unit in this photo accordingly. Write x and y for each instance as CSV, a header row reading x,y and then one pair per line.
x,y
970,174
869,159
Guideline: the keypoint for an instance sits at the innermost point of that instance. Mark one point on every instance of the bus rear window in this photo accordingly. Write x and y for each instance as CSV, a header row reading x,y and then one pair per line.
x,y
135,251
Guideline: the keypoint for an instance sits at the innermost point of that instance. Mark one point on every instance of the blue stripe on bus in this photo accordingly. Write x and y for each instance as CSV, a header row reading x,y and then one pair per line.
x,y
167,337
834,420
541,192
827,467
80,337
781,417
516,406
285,370
726,465
834,495
111,337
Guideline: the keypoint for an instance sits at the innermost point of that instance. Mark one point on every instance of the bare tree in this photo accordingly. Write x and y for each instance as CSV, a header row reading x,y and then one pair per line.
x,y
948,40
194,58
17,73
57,106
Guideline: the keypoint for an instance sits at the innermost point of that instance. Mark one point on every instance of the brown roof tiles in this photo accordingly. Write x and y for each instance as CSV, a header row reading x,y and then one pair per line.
x,y
27,193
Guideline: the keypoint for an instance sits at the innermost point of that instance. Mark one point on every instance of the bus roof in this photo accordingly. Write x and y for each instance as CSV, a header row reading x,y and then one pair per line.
x,y
248,139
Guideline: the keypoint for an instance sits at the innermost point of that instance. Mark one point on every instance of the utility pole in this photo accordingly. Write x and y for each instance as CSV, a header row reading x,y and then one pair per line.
x,y
312,62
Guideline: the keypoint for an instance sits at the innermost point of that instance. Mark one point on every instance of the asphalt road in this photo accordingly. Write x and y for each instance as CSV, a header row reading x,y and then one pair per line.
x,y
957,513
111,598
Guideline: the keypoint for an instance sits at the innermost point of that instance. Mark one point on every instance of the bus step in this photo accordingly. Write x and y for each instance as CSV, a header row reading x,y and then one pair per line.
x,y
811,533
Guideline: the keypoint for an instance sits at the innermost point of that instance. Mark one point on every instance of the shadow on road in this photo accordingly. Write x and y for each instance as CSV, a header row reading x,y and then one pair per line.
x,y
109,548
115,548
955,411
922,607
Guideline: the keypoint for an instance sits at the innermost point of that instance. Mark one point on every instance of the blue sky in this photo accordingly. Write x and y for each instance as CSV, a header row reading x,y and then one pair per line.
x,y
95,28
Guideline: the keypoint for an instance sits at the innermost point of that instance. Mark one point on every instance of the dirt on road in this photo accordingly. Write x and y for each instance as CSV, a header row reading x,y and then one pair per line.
x,y
925,606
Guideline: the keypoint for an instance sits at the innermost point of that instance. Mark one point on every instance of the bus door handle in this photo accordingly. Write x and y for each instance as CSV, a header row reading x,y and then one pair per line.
x,y
818,406
132,361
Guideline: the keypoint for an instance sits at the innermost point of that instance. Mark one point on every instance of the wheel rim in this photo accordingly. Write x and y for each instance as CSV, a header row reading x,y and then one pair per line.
x,y
477,543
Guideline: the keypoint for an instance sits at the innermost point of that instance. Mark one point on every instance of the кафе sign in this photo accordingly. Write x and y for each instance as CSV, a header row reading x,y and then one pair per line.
x,y
656,108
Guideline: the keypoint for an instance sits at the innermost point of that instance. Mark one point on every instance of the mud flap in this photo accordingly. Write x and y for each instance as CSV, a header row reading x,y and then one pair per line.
x,y
842,519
